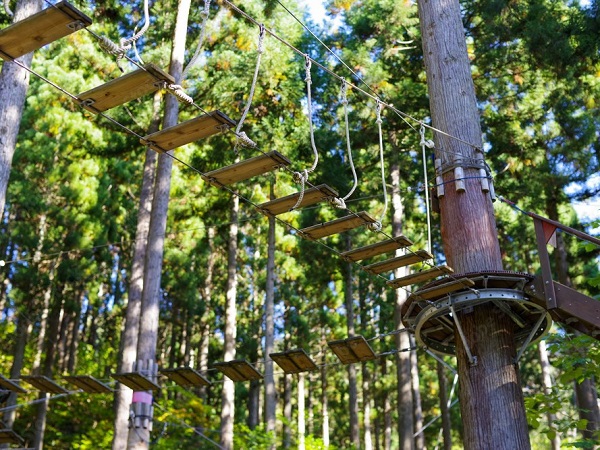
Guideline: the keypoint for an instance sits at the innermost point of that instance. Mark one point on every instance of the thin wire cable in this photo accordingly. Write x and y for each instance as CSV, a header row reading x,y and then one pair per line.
x,y
205,15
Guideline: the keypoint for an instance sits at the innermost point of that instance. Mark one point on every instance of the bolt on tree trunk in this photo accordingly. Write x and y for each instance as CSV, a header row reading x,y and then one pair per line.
x,y
490,396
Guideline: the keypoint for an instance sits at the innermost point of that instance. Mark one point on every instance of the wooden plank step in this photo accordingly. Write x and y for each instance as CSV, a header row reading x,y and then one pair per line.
x,y
44,384
10,385
246,169
40,29
369,251
443,289
121,90
185,377
88,384
418,277
399,261
312,196
189,131
8,436
336,226
136,381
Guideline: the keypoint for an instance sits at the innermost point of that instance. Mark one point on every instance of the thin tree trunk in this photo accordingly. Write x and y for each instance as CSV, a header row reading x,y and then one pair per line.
x,y
445,411
403,362
253,404
129,335
49,350
366,390
547,383
287,410
207,298
325,407
491,398
418,410
270,392
228,392
387,410
14,82
352,384
301,412
139,437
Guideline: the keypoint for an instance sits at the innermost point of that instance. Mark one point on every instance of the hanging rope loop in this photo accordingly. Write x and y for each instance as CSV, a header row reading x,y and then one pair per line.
x,y
242,138
424,144
385,199
7,8
205,16
300,178
344,95
120,50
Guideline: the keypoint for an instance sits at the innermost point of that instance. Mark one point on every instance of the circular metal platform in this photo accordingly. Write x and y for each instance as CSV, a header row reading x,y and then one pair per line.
x,y
431,317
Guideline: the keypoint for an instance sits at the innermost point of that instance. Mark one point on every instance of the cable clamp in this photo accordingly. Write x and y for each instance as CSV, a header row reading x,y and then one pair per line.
x,y
374,226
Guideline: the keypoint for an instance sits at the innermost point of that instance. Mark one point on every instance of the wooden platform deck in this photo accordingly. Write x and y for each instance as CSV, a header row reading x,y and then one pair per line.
x,y
419,277
341,225
312,196
399,261
379,248
246,169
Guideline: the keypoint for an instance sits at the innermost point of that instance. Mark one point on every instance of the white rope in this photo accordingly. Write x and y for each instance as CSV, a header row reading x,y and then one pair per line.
x,y
345,103
178,92
205,15
241,136
426,143
376,226
302,177
7,8
120,50
309,107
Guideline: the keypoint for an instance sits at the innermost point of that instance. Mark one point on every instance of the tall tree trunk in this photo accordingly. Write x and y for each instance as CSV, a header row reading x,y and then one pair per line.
x,y
418,409
325,407
301,412
491,398
403,362
139,437
547,383
445,410
49,350
207,298
352,384
287,410
366,390
14,82
387,410
253,404
129,335
270,393
228,392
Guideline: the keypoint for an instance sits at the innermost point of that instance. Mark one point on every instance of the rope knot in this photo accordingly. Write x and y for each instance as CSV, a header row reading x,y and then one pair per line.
x,y
244,140
337,202
178,92
374,226
307,67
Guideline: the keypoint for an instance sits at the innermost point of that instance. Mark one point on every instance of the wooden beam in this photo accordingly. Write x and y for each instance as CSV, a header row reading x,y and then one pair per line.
x,y
336,226
121,90
418,277
379,248
312,196
399,261
246,169
40,29
189,131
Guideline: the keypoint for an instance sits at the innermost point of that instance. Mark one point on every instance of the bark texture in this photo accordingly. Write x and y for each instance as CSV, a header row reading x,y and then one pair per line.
x,y
228,392
490,396
14,82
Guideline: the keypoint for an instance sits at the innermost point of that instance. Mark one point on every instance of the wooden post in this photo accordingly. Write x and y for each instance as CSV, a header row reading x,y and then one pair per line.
x,y
490,391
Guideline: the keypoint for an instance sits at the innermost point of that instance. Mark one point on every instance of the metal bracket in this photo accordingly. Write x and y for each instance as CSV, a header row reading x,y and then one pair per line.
x,y
530,337
472,359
